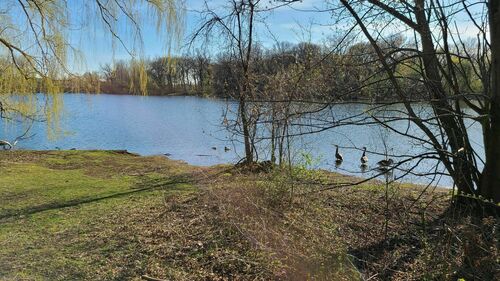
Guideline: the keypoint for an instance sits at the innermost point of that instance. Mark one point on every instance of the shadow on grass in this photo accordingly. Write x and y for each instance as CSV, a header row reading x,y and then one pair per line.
x,y
457,231
142,186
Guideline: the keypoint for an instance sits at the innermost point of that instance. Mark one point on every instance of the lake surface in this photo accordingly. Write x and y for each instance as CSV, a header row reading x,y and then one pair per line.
x,y
187,128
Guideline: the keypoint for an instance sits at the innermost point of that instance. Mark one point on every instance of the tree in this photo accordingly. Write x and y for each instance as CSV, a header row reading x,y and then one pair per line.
x,y
435,48
35,45
490,178
237,26
202,71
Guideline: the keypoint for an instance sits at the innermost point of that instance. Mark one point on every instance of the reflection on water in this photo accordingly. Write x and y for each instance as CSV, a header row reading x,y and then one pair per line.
x,y
191,129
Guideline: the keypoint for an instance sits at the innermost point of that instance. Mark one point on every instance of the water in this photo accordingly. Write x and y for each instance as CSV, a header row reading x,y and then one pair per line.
x,y
187,128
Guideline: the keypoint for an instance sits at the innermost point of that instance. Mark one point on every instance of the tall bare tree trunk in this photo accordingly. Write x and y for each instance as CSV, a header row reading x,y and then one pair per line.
x,y
273,133
490,180
246,89
246,131
463,172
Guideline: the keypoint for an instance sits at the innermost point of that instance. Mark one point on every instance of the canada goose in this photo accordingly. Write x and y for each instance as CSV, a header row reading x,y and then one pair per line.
x,y
338,156
6,145
364,158
385,162
383,169
226,149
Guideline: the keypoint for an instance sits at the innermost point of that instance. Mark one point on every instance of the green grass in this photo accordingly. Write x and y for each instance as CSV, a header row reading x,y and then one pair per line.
x,y
110,215
75,215
104,215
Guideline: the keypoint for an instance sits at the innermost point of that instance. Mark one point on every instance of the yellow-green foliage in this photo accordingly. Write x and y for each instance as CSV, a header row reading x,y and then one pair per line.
x,y
139,78
35,44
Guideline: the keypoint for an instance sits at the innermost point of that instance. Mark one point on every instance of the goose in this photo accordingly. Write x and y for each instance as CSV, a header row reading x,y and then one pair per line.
x,y
385,162
383,169
364,158
6,145
338,156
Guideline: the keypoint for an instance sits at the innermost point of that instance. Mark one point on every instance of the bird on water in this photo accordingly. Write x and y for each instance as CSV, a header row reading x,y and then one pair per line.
x,y
385,162
338,156
364,158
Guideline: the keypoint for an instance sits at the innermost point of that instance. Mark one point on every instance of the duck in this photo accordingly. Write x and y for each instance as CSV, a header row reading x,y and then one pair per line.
x,y
214,148
226,149
364,158
338,156
385,162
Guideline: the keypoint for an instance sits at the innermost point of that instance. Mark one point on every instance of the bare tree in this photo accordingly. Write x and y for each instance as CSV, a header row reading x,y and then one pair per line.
x,y
237,26
438,74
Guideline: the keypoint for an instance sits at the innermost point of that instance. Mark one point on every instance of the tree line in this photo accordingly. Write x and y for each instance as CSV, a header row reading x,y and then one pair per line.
x,y
348,73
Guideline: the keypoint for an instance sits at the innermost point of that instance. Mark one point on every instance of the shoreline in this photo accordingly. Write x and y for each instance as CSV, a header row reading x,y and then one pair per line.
x,y
358,178
199,95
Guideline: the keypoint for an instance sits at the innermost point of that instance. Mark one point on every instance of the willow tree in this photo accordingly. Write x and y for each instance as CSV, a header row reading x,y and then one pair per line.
x,y
36,44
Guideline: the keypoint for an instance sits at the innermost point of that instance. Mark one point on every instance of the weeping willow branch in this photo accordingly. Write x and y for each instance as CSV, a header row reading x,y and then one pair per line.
x,y
35,45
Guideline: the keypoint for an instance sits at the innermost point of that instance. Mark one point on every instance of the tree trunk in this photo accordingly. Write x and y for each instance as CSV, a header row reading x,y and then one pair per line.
x,y
246,90
490,179
462,171
246,131
273,133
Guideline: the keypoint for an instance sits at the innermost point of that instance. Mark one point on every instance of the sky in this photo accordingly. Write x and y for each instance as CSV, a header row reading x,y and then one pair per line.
x,y
286,24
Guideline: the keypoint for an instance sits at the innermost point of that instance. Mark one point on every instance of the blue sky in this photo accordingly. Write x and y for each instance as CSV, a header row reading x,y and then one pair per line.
x,y
95,43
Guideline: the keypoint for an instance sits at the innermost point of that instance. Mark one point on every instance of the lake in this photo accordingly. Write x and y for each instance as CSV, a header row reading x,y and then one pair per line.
x,y
187,128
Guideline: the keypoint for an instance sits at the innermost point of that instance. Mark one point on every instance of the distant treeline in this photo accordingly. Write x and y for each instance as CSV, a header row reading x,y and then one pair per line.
x,y
313,71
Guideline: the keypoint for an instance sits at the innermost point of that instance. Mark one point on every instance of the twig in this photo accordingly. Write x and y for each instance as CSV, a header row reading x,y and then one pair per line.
x,y
145,277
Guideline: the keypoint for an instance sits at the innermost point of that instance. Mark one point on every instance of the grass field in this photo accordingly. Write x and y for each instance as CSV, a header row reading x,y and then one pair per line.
x,y
70,215
111,215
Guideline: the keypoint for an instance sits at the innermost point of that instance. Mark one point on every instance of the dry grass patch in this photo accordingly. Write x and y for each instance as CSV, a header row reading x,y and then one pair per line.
x,y
358,232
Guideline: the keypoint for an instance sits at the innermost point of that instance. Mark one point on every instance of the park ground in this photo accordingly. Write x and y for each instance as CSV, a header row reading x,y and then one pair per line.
x,y
111,215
